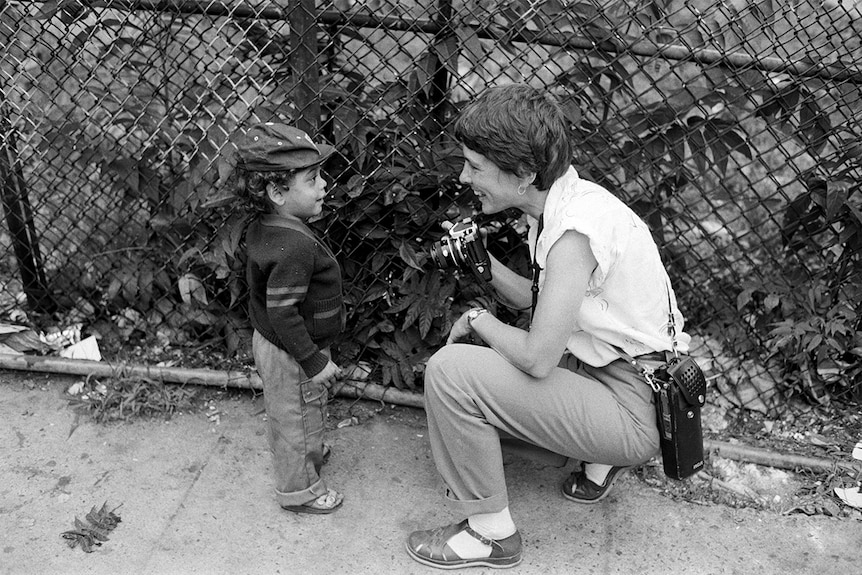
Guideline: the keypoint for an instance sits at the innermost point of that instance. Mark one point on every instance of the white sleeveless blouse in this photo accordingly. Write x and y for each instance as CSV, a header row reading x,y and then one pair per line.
x,y
626,303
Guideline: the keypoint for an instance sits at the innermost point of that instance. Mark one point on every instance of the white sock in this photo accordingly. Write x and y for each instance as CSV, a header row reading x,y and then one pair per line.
x,y
597,472
491,525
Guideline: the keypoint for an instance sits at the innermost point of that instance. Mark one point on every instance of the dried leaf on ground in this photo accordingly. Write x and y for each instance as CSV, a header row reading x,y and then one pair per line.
x,y
93,531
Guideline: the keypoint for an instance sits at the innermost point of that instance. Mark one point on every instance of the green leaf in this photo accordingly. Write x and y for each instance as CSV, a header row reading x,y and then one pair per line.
x,y
735,143
423,71
408,255
355,186
81,38
447,51
192,289
145,284
201,317
572,109
744,298
129,279
411,315
836,197
47,10
406,373
401,304
471,46
716,144
675,136
345,120
856,213
771,301
698,149
374,292
426,320
814,342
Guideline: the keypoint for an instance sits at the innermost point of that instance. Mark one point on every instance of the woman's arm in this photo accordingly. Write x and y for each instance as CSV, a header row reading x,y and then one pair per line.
x,y
538,351
512,288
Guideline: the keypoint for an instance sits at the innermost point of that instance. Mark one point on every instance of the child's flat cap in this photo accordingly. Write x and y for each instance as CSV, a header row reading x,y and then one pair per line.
x,y
272,147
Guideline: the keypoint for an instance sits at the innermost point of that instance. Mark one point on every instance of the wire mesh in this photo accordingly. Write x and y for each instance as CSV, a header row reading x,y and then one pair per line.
x,y
730,127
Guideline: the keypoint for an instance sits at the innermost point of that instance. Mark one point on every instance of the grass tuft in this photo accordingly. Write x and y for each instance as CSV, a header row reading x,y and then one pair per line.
x,y
121,398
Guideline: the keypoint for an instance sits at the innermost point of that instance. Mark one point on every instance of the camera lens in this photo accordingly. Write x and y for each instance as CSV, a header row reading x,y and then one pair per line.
x,y
440,252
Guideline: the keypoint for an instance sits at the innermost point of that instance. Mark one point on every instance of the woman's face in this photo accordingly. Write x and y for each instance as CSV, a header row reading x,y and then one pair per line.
x,y
496,189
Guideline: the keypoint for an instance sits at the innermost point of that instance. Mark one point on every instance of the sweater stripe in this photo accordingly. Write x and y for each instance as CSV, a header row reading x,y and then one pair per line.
x,y
327,313
285,296
282,302
298,290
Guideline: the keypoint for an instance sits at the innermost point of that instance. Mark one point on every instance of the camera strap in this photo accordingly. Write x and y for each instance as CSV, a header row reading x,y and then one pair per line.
x,y
536,268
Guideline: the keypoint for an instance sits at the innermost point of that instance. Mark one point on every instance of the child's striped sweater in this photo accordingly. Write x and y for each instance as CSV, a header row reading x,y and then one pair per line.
x,y
295,296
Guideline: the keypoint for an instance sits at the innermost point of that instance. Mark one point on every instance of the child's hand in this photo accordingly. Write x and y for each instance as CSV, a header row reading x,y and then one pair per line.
x,y
328,375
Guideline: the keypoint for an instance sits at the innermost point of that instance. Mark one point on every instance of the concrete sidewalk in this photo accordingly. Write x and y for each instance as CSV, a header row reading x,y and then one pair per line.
x,y
196,497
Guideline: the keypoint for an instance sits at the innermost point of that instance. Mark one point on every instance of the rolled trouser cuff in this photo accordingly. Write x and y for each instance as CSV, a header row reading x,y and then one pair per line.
x,y
302,497
467,508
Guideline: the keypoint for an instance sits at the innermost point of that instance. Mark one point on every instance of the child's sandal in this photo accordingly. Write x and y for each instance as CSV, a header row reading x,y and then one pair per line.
x,y
326,503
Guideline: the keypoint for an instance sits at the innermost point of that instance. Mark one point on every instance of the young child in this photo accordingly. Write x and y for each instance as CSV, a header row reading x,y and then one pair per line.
x,y
295,304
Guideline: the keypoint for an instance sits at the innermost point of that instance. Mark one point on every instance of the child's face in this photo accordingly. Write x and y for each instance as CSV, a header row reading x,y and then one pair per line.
x,y
304,194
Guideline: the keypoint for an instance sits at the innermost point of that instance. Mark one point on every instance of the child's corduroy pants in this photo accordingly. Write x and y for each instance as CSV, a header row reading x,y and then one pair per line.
x,y
295,411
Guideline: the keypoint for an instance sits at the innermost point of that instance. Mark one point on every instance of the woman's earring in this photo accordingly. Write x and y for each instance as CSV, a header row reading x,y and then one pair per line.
x,y
522,189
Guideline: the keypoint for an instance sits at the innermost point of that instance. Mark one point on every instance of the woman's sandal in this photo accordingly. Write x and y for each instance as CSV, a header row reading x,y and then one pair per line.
x,y
326,503
582,490
431,548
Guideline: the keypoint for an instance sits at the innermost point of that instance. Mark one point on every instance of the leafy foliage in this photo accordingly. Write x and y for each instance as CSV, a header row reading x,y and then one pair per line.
x,y
175,274
810,312
817,329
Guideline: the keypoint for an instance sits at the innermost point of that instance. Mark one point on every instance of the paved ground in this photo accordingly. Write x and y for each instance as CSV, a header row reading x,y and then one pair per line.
x,y
196,497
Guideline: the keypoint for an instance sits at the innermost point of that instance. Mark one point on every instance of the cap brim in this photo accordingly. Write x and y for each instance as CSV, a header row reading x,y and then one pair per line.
x,y
325,151
219,201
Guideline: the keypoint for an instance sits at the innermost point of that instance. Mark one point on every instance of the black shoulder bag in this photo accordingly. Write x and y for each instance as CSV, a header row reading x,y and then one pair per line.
x,y
679,389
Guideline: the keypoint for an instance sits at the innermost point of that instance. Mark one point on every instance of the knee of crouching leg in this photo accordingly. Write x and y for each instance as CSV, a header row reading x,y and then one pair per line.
x,y
437,369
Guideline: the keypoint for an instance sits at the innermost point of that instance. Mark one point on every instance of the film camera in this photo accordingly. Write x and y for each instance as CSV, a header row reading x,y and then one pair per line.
x,y
462,249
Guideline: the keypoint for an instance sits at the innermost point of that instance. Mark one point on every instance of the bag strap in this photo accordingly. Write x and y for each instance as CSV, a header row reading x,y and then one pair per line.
x,y
647,371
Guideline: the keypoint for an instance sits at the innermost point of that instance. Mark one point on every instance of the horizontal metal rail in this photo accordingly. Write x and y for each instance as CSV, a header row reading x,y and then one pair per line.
x,y
670,52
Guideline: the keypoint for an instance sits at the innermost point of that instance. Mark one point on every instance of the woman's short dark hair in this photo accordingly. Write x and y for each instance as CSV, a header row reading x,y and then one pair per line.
x,y
520,129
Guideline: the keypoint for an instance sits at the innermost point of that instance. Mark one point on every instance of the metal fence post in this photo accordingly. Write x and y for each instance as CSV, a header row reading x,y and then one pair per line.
x,y
303,56
19,217
440,83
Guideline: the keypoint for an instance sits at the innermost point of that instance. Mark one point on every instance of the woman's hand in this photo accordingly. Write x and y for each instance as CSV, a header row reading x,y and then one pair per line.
x,y
462,331
537,351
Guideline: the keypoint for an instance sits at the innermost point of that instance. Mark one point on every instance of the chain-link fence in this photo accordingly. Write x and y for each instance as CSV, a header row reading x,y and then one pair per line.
x,y
730,126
